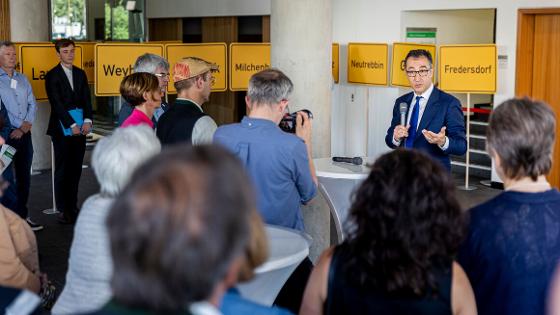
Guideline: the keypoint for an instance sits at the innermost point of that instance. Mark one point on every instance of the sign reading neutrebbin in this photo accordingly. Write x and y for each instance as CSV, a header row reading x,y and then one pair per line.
x,y
212,52
468,68
398,66
367,63
115,61
36,59
246,59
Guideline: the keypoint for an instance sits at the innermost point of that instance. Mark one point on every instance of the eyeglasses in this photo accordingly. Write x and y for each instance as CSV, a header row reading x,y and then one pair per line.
x,y
422,73
162,75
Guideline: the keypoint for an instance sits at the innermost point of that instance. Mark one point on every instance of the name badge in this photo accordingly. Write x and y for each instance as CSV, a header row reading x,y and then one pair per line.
x,y
13,84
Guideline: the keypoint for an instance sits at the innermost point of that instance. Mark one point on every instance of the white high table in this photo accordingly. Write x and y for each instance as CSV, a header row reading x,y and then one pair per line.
x,y
287,249
337,182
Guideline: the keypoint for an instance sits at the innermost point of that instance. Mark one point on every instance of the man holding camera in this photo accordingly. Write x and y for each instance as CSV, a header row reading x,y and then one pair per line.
x,y
278,162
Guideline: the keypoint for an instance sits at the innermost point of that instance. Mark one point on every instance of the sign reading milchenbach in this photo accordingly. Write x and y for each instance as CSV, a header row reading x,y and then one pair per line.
x,y
468,68
400,50
212,52
115,61
36,60
246,59
367,63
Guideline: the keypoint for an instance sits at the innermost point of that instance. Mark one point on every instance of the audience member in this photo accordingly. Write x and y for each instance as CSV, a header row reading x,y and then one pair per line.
x,y
177,233
279,163
513,246
141,91
88,278
157,66
403,230
256,254
185,121
17,97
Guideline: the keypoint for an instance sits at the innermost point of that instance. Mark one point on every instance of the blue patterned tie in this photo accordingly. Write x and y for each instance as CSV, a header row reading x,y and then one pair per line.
x,y
413,124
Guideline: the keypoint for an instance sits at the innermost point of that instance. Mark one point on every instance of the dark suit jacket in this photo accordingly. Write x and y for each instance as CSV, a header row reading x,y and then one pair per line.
x,y
63,99
442,110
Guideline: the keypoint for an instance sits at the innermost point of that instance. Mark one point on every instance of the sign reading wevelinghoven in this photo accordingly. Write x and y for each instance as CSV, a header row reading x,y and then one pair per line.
x,y
246,59
468,68
115,61
368,63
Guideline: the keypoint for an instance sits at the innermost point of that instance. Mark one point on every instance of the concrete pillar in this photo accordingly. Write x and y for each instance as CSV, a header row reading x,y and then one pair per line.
x,y
301,38
29,22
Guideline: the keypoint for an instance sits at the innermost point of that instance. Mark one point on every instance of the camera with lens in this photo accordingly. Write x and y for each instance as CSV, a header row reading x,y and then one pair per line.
x,y
288,122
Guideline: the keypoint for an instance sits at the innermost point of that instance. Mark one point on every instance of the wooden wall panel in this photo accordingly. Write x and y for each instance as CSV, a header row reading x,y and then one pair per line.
x,y
165,29
5,33
524,64
222,106
266,29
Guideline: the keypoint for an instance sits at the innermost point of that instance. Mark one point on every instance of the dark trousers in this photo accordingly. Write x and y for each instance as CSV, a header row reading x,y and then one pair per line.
x,y
68,157
18,175
291,294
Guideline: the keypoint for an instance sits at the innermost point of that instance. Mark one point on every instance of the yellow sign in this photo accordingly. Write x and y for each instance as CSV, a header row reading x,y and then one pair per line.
x,y
246,60
468,68
213,52
335,62
115,61
400,50
88,59
367,63
36,60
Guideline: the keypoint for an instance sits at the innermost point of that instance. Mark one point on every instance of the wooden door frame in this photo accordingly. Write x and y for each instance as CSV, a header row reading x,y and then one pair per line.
x,y
524,53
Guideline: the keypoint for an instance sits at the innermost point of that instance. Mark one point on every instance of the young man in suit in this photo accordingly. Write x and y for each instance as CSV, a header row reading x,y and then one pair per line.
x,y
434,119
68,91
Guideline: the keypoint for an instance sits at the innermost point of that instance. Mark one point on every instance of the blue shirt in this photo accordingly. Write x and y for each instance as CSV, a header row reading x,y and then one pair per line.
x,y
279,167
19,102
511,251
234,304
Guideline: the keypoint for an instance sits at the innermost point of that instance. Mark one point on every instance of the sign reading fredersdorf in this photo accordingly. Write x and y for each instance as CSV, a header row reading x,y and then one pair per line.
x,y
245,60
88,59
335,62
468,68
115,61
400,50
367,63
212,52
36,60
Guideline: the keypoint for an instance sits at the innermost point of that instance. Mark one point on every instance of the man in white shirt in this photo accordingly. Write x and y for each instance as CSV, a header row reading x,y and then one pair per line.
x,y
185,121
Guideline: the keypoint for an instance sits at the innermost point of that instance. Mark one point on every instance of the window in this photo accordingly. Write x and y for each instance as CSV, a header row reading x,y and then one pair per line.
x,y
68,19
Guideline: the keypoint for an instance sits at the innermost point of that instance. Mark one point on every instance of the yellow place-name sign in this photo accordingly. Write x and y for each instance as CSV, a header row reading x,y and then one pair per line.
x,y
468,68
400,50
335,61
88,59
244,61
36,60
367,63
115,61
212,52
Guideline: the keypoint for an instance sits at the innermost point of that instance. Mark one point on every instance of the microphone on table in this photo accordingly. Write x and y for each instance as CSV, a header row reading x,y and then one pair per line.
x,y
354,160
403,107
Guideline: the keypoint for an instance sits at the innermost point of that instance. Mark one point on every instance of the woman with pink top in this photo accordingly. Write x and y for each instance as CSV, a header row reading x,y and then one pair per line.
x,y
141,90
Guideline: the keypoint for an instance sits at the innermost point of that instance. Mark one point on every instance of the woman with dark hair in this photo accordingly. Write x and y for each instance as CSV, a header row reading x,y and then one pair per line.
x,y
402,232
141,90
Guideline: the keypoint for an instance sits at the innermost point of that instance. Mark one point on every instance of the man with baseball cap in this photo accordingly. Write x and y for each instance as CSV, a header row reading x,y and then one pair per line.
x,y
185,121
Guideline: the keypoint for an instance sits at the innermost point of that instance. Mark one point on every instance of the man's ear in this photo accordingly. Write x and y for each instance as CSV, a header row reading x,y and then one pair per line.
x,y
283,104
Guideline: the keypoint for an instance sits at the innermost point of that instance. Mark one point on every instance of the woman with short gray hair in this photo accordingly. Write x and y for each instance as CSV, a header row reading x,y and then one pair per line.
x,y
513,243
114,160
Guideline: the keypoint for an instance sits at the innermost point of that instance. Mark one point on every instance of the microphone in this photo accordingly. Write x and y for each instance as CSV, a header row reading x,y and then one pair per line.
x,y
403,107
354,160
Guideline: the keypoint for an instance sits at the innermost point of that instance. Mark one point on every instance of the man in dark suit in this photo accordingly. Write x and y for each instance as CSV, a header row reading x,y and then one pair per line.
x,y
434,119
68,92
